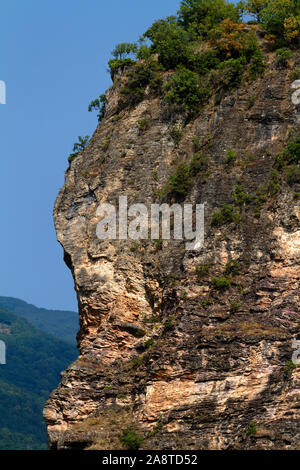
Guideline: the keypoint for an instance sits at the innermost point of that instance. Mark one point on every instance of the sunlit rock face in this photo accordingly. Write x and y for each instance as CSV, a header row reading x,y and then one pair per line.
x,y
162,348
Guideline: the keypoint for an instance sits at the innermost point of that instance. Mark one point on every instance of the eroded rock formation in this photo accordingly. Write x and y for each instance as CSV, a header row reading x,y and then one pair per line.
x,y
185,362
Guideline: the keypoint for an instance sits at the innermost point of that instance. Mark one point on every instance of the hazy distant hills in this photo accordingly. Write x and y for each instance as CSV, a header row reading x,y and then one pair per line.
x,y
34,362
59,323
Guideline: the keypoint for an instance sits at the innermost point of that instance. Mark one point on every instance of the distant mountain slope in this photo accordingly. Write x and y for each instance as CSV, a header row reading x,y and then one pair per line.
x,y
59,323
34,361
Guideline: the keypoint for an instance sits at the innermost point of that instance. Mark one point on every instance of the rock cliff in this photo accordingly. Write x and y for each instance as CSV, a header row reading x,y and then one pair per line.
x,y
189,349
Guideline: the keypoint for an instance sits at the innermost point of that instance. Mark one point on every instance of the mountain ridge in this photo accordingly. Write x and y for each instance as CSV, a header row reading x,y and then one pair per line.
x,y
48,320
34,360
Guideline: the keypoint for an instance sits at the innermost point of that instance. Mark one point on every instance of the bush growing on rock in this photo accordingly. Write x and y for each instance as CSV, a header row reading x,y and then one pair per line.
x,y
283,56
206,46
78,147
130,439
232,268
124,55
279,18
293,175
124,49
224,215
99,105
180,183
170,42
185,92
220,283
142,75
201,16
202,270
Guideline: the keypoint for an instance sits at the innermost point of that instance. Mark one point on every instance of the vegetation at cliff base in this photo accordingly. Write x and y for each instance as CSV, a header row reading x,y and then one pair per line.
x,y
130,439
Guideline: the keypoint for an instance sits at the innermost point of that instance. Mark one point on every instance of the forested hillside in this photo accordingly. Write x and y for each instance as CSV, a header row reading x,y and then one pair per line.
x,y
59,323
34,361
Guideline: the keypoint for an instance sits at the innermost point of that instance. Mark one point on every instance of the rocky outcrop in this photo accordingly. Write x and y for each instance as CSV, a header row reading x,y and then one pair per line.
x,y
164,349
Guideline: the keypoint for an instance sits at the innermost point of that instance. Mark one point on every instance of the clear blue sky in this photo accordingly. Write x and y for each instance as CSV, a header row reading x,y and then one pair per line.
x,y
54,57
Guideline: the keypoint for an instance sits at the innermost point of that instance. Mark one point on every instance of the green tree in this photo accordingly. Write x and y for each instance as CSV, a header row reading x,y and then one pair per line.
x,y
255,8
99,105
130,439
184,91
122,59
78,147
280,18
81,145
124,49
203,15
170,42
180,183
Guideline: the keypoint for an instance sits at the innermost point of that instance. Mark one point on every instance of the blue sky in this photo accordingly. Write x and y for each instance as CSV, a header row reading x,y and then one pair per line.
x,y
54,57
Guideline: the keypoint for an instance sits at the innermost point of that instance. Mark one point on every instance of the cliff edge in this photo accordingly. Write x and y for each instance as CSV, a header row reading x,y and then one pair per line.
x,y
186,349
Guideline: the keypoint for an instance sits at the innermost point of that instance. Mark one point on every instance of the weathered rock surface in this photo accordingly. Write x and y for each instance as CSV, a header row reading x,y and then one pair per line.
x,y
217,359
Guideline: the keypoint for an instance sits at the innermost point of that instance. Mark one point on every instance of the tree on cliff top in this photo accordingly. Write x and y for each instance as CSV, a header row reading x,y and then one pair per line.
x,y
203,15
124,49
280,18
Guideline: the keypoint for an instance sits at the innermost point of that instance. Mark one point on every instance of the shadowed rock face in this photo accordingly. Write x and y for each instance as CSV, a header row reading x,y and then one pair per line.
x,y
216,373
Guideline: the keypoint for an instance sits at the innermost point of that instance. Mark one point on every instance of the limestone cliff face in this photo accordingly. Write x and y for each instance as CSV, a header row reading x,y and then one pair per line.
x,y
162,349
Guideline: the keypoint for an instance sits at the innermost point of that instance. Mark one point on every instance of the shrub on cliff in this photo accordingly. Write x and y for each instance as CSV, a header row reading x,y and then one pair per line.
x,y
130,439
229,39
231,72
99,105
283,56
201,16
185,92
220,283
124,54
251,430
289,156
142,75
78,147
254,8
170,42
232,268
180,183
124,49
206,44
199,163
202,270
293,175
117,64
138,79
293,151
280,18
241,198
226,214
